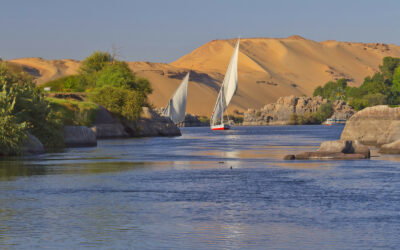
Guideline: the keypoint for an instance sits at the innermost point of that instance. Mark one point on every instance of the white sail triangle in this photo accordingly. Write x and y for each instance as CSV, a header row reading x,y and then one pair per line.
x,y
176,108
228,89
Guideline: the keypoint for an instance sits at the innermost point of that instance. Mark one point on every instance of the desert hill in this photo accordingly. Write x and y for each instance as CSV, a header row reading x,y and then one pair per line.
x,y
268,69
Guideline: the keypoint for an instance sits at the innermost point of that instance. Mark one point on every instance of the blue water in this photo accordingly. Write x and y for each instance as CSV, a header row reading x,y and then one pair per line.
x,y
181,193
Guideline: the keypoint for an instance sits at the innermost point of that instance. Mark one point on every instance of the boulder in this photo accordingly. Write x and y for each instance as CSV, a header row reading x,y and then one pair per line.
x,y
327,156
152,124
376,126
335,146
105,131
79,136
192,121
391,148
346,147
108,126
32,146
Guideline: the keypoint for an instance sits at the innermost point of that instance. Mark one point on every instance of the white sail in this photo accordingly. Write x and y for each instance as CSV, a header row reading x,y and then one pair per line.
x,y
228,89
230,82
176,108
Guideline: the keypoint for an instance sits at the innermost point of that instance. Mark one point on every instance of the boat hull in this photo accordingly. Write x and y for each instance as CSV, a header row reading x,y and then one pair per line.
x,y
220,127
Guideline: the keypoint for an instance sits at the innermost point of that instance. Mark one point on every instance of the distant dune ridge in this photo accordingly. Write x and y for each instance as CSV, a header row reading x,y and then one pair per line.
x,y
268,69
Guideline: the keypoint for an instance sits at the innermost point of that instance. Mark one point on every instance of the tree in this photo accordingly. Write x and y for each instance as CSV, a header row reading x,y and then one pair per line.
x,y
95,62
332,90
123,102
389,64
116,75
26,104
395,89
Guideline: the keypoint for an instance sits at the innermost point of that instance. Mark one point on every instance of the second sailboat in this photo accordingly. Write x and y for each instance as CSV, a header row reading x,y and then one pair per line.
x,y
228,89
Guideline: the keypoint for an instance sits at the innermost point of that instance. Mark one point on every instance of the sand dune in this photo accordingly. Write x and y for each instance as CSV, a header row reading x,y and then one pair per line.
x,y
47,70
268,69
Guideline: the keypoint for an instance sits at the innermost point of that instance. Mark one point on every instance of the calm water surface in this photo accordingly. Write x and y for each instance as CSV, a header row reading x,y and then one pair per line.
x,y
181,193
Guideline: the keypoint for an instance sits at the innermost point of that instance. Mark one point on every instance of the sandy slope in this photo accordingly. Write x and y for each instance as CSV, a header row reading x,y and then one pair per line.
x,y
47,70
268,68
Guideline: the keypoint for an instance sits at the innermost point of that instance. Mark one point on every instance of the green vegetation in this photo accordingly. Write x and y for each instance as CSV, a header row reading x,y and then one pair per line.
x,y
75,113
97,71
382,88
110,83
324,112
236,119
124,102
204,119
24,109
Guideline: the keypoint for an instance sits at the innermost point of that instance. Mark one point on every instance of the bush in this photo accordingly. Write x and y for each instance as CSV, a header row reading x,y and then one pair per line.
x,y
74,113
29,106
117,74
74,83
125,103
12,132
95,62
97,71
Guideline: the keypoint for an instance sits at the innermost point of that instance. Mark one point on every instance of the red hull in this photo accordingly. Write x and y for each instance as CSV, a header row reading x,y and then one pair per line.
x,y
220,127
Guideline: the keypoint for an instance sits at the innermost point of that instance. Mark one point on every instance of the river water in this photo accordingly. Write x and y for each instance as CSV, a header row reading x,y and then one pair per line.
x,y
203,190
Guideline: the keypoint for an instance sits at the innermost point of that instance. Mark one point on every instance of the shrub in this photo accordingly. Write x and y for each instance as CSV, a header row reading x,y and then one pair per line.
x,y
74,113
12,132
95,62
125,103
30,107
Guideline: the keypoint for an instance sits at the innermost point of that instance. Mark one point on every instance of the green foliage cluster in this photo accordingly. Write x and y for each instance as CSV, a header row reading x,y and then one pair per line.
x,y
23,109
236,119
99,70
204,119
110,83
124,102
324,112
12,131
75,113
381,88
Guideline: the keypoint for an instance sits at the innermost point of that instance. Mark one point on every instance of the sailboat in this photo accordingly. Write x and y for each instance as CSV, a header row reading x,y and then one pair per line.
x,y
176,108
227,91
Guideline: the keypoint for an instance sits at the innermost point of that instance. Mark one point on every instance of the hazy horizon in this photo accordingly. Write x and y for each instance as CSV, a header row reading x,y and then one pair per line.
x,y
163,31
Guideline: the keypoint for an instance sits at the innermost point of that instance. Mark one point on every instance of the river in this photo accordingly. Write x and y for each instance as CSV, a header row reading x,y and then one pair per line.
x,y
203,190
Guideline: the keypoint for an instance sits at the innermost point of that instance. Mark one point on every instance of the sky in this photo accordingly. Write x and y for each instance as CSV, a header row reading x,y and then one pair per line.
x,y
165,30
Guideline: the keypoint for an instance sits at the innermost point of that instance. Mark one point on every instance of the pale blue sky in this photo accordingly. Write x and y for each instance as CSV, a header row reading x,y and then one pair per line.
x,y
163,31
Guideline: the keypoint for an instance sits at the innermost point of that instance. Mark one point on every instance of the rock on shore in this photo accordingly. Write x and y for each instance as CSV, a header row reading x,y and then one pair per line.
x,y
335,150
108,126
192,121
376,126
152,124
79,136
32,145
149,124
279,113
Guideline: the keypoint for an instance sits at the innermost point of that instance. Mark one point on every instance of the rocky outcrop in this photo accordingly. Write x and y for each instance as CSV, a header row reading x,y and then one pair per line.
x,y
152,124
149,124
324,156
346,147
335,150
79,136
376,126
192,121
279,113
391,148
32,146
108,126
